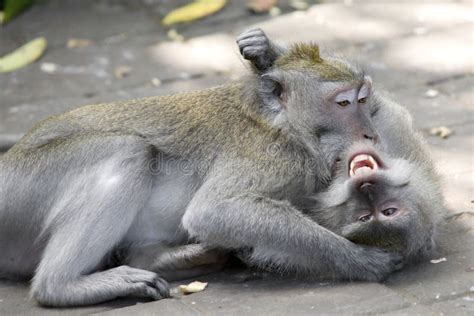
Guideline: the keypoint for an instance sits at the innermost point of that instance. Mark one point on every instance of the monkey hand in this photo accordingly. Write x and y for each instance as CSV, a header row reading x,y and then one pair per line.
x,y
374,264
255,46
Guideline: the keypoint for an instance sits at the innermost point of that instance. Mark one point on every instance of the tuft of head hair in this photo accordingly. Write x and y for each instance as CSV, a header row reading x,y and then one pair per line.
x,y
308,52
306,56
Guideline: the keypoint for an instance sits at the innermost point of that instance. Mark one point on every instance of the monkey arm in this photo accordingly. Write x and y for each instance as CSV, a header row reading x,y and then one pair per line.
x,y
280,236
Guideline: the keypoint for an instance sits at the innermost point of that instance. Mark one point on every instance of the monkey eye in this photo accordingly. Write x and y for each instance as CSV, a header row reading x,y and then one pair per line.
x,y
365,218
344,103
389,211
362,100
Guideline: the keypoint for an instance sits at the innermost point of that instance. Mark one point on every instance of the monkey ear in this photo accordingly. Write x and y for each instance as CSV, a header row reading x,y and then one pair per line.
x,y
273,94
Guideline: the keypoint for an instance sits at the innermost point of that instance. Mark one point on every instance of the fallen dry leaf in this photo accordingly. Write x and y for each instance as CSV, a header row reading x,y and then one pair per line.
x,y
78,42
275,11
49,67
193,11
175,36
23,55
299,4
192,287
122,71
435,261
442,132
431,93
156,82
260,6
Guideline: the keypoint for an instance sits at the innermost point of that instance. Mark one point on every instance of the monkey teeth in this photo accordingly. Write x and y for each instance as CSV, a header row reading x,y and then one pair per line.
x,y
362,165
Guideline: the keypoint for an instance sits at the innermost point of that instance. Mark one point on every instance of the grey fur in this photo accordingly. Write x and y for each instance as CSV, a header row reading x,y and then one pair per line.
x,y
175,262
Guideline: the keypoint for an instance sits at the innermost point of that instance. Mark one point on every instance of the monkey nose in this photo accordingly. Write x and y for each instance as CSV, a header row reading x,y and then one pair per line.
x,y
366,188
365,185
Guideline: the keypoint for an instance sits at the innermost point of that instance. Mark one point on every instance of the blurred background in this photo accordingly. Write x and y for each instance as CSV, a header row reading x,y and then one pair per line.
x,y
104,50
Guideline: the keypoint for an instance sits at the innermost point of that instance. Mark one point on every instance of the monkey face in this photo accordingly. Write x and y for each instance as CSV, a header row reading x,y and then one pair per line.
x,y
330,115
379,201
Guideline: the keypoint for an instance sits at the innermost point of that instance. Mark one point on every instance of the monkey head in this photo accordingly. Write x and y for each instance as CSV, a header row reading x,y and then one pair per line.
x,y
381,201
326,101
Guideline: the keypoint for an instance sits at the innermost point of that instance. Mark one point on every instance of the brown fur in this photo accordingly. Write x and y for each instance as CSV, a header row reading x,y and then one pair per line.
x,y
307,56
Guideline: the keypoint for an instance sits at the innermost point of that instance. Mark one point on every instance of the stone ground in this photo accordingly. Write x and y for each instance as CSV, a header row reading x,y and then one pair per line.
x,y
409,47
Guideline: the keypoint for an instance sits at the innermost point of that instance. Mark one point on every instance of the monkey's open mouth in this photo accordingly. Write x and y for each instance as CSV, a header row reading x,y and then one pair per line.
x,y
362,165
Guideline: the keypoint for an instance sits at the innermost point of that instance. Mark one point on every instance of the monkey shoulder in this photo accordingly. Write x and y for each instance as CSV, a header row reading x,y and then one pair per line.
x,y
265,164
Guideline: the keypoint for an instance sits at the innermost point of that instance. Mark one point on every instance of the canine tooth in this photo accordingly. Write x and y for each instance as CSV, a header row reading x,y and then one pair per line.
x,y
359,158
373,161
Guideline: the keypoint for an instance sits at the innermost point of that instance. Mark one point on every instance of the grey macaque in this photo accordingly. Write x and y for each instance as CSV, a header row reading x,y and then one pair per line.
x,y
225,167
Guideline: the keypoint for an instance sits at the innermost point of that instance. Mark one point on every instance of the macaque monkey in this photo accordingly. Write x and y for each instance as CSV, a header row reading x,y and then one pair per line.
x,y
225,167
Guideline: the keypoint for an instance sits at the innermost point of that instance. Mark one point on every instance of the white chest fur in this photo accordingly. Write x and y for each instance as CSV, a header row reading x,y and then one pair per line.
x,y
160,220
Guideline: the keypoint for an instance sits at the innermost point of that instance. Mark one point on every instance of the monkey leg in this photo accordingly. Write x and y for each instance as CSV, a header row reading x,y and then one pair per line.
x,y
89,218
177,262
281,236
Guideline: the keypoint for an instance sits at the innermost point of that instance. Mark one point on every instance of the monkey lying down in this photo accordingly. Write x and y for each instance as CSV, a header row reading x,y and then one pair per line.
x,y
374,199
381,201
102,176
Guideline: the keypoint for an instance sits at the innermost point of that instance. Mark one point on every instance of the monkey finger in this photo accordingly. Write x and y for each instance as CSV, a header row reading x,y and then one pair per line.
x,y
150,292
260,40
154,293
252,51
258,47
162,287
143,290
398,263
254,43
251,33
159,283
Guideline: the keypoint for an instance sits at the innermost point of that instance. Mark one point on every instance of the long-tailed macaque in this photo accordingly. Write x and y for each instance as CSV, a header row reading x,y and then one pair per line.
x,y
225,167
